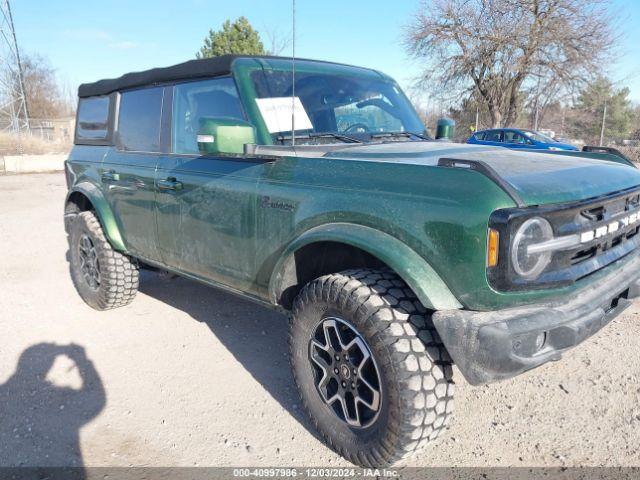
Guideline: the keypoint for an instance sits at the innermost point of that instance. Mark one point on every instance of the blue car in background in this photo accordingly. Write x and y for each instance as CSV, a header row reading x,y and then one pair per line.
x,y
518,138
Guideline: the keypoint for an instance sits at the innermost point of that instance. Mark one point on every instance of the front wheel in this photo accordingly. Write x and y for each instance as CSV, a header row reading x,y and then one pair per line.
x,y
371,370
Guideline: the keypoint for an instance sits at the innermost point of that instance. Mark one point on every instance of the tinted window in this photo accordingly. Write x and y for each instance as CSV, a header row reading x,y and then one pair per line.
x,y
514,137
139,120
93,118
195,100
493,136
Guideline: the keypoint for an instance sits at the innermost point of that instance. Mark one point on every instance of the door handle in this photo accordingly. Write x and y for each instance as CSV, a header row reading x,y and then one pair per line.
x,y
169,184
110,176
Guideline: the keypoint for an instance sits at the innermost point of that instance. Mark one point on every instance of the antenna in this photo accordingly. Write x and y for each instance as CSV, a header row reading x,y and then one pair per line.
x,y
14,114
293,77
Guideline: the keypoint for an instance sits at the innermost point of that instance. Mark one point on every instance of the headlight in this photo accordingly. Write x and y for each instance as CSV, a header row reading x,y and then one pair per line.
x,y
527,264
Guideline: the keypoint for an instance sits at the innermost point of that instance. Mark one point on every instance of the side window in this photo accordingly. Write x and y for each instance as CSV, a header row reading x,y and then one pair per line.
x,y
93,119
139,120
514,137
217,98
493,136
479,136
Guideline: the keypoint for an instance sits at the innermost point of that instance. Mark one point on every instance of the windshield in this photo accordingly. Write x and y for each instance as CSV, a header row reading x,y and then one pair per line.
x,y
538,137
331,103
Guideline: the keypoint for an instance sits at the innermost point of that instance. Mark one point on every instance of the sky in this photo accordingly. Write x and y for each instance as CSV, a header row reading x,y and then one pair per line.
x,y
87,40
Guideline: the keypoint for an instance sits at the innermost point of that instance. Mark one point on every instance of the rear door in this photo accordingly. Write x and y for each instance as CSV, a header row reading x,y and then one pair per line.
x,y
206,204
493,137
128,170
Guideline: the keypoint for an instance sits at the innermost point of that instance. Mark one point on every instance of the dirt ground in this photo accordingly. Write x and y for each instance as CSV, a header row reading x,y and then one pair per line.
x,y
188,375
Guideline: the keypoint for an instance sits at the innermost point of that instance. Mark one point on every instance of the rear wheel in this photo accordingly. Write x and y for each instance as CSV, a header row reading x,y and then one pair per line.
x,y
104,277
371,370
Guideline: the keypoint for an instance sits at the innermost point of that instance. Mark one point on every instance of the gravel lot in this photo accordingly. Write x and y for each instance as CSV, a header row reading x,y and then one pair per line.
x,y
188,375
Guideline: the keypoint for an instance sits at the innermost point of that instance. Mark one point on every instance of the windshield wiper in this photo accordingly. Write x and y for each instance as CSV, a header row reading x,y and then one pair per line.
x,y
399,134
338,136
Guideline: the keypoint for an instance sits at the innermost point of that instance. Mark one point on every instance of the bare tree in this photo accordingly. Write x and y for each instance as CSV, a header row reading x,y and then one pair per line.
x,y
43,93
502,48
277,43
543,93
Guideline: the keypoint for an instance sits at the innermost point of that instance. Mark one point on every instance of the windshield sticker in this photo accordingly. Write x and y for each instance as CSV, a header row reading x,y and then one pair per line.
x,y
276,113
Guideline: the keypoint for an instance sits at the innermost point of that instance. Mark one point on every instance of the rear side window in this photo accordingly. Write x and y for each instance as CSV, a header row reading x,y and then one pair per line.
x,y
139,120
93,119
493,136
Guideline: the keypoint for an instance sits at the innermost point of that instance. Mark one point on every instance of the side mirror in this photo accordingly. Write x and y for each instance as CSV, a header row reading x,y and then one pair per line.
x,y
224,135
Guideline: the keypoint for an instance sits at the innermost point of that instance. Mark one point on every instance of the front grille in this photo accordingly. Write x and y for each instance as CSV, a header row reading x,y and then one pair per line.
x,y
573,264
611,211
583,255
601,245
591,256
594,214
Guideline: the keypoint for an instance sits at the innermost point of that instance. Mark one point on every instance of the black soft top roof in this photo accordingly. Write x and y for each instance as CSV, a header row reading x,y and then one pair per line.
x,y
206,67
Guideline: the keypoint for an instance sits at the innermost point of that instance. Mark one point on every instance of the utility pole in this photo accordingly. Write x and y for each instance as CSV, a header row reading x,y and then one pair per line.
x,y
604,121
14,111
477,117
293,73
535,121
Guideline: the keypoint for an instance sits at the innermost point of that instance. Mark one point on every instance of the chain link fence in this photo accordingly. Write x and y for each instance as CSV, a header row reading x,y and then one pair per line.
x,y
629,147
44,136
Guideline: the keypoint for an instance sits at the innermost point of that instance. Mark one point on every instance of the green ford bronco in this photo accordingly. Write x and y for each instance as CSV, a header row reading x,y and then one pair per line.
x,y
320,193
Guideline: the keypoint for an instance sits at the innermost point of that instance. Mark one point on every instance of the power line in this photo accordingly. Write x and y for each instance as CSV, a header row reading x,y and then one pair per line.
x,y
14,111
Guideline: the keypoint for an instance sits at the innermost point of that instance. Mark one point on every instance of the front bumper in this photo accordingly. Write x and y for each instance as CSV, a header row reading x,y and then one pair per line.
x,y
490,346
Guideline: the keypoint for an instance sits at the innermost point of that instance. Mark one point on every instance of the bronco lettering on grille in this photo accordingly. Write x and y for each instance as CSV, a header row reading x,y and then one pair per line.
x,y
612,227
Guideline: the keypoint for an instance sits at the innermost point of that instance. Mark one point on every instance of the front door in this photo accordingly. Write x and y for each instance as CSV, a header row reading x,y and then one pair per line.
x,y
206,217
513,139
206,205
128,170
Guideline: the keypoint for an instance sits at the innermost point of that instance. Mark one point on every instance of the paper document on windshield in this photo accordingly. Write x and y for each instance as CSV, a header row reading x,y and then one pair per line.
x,y
276,113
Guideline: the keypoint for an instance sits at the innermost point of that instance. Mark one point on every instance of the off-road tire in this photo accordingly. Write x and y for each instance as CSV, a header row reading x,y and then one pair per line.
x,y
118,273
415,368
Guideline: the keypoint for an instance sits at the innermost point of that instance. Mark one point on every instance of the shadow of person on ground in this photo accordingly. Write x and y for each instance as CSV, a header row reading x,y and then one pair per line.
x,y
256,336
40,421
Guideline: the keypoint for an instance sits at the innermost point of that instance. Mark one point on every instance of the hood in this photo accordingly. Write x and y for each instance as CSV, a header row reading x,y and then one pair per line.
x,y
538,178
564,146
